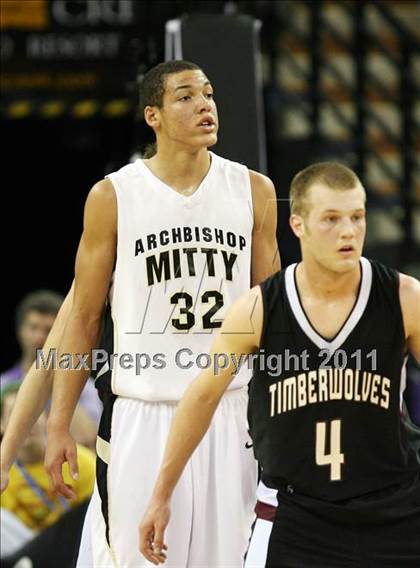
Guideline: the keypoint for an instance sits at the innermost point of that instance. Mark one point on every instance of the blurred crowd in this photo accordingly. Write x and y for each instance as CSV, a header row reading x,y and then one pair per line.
x,y
33,518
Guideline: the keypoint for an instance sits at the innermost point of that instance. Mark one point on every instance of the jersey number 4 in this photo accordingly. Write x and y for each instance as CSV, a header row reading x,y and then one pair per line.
x,y
187,317
335,458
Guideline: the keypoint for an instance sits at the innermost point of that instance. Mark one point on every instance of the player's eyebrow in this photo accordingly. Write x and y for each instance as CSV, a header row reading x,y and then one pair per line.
x,y
361,209
190,86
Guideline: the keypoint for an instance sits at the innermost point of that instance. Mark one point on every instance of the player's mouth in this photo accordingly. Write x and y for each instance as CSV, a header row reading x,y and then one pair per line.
x,y
346,250
207,124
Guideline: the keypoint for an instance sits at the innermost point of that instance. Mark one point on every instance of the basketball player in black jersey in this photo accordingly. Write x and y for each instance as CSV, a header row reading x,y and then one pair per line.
x,y
329,338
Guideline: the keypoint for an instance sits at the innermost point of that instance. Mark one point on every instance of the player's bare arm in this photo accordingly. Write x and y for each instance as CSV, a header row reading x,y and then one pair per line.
x,y
93,270
32,396
239,336
410,306
265,259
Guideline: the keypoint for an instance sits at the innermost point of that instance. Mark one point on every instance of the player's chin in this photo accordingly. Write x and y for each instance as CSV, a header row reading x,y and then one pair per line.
x,y
347,264
211,139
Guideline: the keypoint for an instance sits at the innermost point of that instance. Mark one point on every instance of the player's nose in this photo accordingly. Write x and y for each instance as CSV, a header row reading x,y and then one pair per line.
x,y
205,104
347,228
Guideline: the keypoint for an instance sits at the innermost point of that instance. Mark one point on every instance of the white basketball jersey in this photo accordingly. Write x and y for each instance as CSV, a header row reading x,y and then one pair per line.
x,y
181,262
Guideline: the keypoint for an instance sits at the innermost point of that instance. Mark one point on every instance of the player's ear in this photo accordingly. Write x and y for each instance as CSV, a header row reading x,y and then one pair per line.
x,y
297,224
151,116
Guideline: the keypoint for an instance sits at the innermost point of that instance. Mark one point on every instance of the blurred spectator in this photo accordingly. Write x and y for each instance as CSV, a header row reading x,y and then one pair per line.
x,y
28,494
35,316
29,499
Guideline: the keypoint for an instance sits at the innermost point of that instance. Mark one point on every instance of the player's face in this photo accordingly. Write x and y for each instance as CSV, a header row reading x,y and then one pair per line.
x,y
34,331
189,114
334,227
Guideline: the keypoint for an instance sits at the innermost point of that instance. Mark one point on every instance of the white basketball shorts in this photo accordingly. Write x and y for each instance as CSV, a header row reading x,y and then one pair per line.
x,y
212,505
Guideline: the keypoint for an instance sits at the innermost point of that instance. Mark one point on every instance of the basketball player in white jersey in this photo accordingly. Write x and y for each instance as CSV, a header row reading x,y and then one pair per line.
x,y
171,241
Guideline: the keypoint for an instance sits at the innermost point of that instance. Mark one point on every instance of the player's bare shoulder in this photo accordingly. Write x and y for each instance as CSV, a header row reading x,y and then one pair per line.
x,y
263,199
245,318
410,303
103,192
263,189
101,205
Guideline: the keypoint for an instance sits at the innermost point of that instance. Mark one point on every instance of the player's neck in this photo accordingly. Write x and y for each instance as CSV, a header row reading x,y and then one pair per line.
x,y
325,284
182,170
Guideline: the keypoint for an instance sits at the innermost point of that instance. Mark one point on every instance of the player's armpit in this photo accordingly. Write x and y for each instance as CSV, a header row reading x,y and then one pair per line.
x,y
265,259
410,306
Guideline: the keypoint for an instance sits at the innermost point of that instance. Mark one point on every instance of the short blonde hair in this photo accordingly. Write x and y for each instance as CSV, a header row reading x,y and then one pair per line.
x,y
332,174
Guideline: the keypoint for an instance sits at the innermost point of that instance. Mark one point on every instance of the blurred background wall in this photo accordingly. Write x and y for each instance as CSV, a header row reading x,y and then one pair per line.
x,y
341,79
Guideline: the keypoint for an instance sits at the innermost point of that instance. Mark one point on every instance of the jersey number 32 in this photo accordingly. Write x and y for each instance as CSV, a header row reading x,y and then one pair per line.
x,y
186,319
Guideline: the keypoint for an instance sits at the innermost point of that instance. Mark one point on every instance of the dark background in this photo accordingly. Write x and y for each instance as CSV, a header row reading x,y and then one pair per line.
x,y
48,169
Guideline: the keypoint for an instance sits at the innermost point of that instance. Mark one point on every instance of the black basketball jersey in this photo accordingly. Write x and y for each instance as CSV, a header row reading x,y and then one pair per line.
x,y
326,416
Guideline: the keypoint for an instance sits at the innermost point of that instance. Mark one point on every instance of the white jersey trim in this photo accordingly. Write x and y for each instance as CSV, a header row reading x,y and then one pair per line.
x,y
266,494
352,320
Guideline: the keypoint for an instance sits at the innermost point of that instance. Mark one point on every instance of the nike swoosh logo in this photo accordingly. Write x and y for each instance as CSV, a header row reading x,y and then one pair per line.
x,y
248,445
